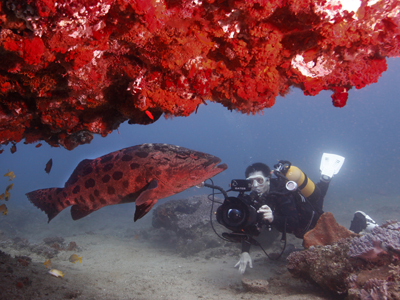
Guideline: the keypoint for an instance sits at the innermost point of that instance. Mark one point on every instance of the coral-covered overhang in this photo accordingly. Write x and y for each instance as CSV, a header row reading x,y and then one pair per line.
x,y
73,68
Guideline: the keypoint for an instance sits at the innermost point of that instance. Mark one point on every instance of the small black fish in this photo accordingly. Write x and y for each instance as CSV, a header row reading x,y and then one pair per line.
x,y
13,148
48,166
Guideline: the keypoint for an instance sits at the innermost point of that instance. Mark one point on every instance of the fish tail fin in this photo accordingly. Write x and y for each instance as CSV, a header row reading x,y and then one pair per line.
x,y
48,201
80,259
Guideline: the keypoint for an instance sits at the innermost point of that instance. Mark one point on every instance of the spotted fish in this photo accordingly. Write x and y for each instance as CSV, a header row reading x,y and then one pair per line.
x,y
141,174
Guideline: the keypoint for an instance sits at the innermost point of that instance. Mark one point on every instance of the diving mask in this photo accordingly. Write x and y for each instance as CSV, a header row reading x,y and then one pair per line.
x,y
259,183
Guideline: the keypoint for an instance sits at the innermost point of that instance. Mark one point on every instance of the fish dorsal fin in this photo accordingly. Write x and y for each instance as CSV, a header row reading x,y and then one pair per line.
x,y
78,172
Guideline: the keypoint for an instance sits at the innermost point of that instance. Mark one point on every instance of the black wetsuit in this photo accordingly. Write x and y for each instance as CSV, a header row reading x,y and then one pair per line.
x,y
292,212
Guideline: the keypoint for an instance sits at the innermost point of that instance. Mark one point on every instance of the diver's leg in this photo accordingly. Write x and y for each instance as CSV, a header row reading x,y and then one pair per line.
x,y
323,187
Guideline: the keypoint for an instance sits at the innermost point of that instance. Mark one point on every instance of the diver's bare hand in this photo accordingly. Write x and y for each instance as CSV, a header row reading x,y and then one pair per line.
x,y
244,260
267,213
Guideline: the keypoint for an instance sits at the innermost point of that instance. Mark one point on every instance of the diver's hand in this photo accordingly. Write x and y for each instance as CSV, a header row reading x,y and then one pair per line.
x,y
267,213
244,260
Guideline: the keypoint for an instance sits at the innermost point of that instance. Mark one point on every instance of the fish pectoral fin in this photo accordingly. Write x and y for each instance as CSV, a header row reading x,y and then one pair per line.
x,y
145,195
146,200
78,213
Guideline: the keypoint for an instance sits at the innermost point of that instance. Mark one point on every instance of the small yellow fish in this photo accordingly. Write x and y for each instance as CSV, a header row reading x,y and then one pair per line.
x,y
3,209
2,196
7,195
10,175
56,273
9,187
74,258
47,263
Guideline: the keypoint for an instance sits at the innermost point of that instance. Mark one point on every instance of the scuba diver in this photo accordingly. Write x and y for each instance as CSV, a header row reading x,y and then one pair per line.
x,y
289,202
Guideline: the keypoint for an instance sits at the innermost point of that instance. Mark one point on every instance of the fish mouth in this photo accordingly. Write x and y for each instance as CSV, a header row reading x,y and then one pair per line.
x,y
208,169
223,167
213,162
215,168
211,166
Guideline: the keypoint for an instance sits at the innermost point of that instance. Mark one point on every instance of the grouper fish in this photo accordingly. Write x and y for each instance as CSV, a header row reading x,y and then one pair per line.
x,y
141,174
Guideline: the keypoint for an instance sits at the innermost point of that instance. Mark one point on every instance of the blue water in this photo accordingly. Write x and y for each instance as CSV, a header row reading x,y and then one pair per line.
x,y
297,128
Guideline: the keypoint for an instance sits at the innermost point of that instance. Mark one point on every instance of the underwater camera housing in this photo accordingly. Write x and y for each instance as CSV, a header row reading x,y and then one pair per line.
x,y
239,214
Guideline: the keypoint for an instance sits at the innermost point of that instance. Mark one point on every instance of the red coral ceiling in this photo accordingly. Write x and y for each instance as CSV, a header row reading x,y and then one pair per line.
x,y
71,68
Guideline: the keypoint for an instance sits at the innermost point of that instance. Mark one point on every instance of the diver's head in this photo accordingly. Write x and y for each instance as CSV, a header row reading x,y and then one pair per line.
x,y
260,175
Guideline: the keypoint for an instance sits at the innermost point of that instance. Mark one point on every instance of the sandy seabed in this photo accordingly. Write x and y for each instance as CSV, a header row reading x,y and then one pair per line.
x,y
126,260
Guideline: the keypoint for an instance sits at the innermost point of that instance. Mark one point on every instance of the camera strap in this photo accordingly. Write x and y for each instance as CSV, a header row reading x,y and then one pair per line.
x,y
275,256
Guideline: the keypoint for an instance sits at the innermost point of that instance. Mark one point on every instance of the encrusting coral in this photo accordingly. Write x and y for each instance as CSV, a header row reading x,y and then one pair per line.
x,y
73,68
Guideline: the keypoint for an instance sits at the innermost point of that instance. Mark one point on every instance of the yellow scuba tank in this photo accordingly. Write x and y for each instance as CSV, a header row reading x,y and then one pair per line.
x,y
304,183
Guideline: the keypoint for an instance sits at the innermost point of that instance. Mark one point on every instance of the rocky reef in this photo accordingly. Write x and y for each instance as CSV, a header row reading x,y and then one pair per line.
x,y
187,221
363,267
73,68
